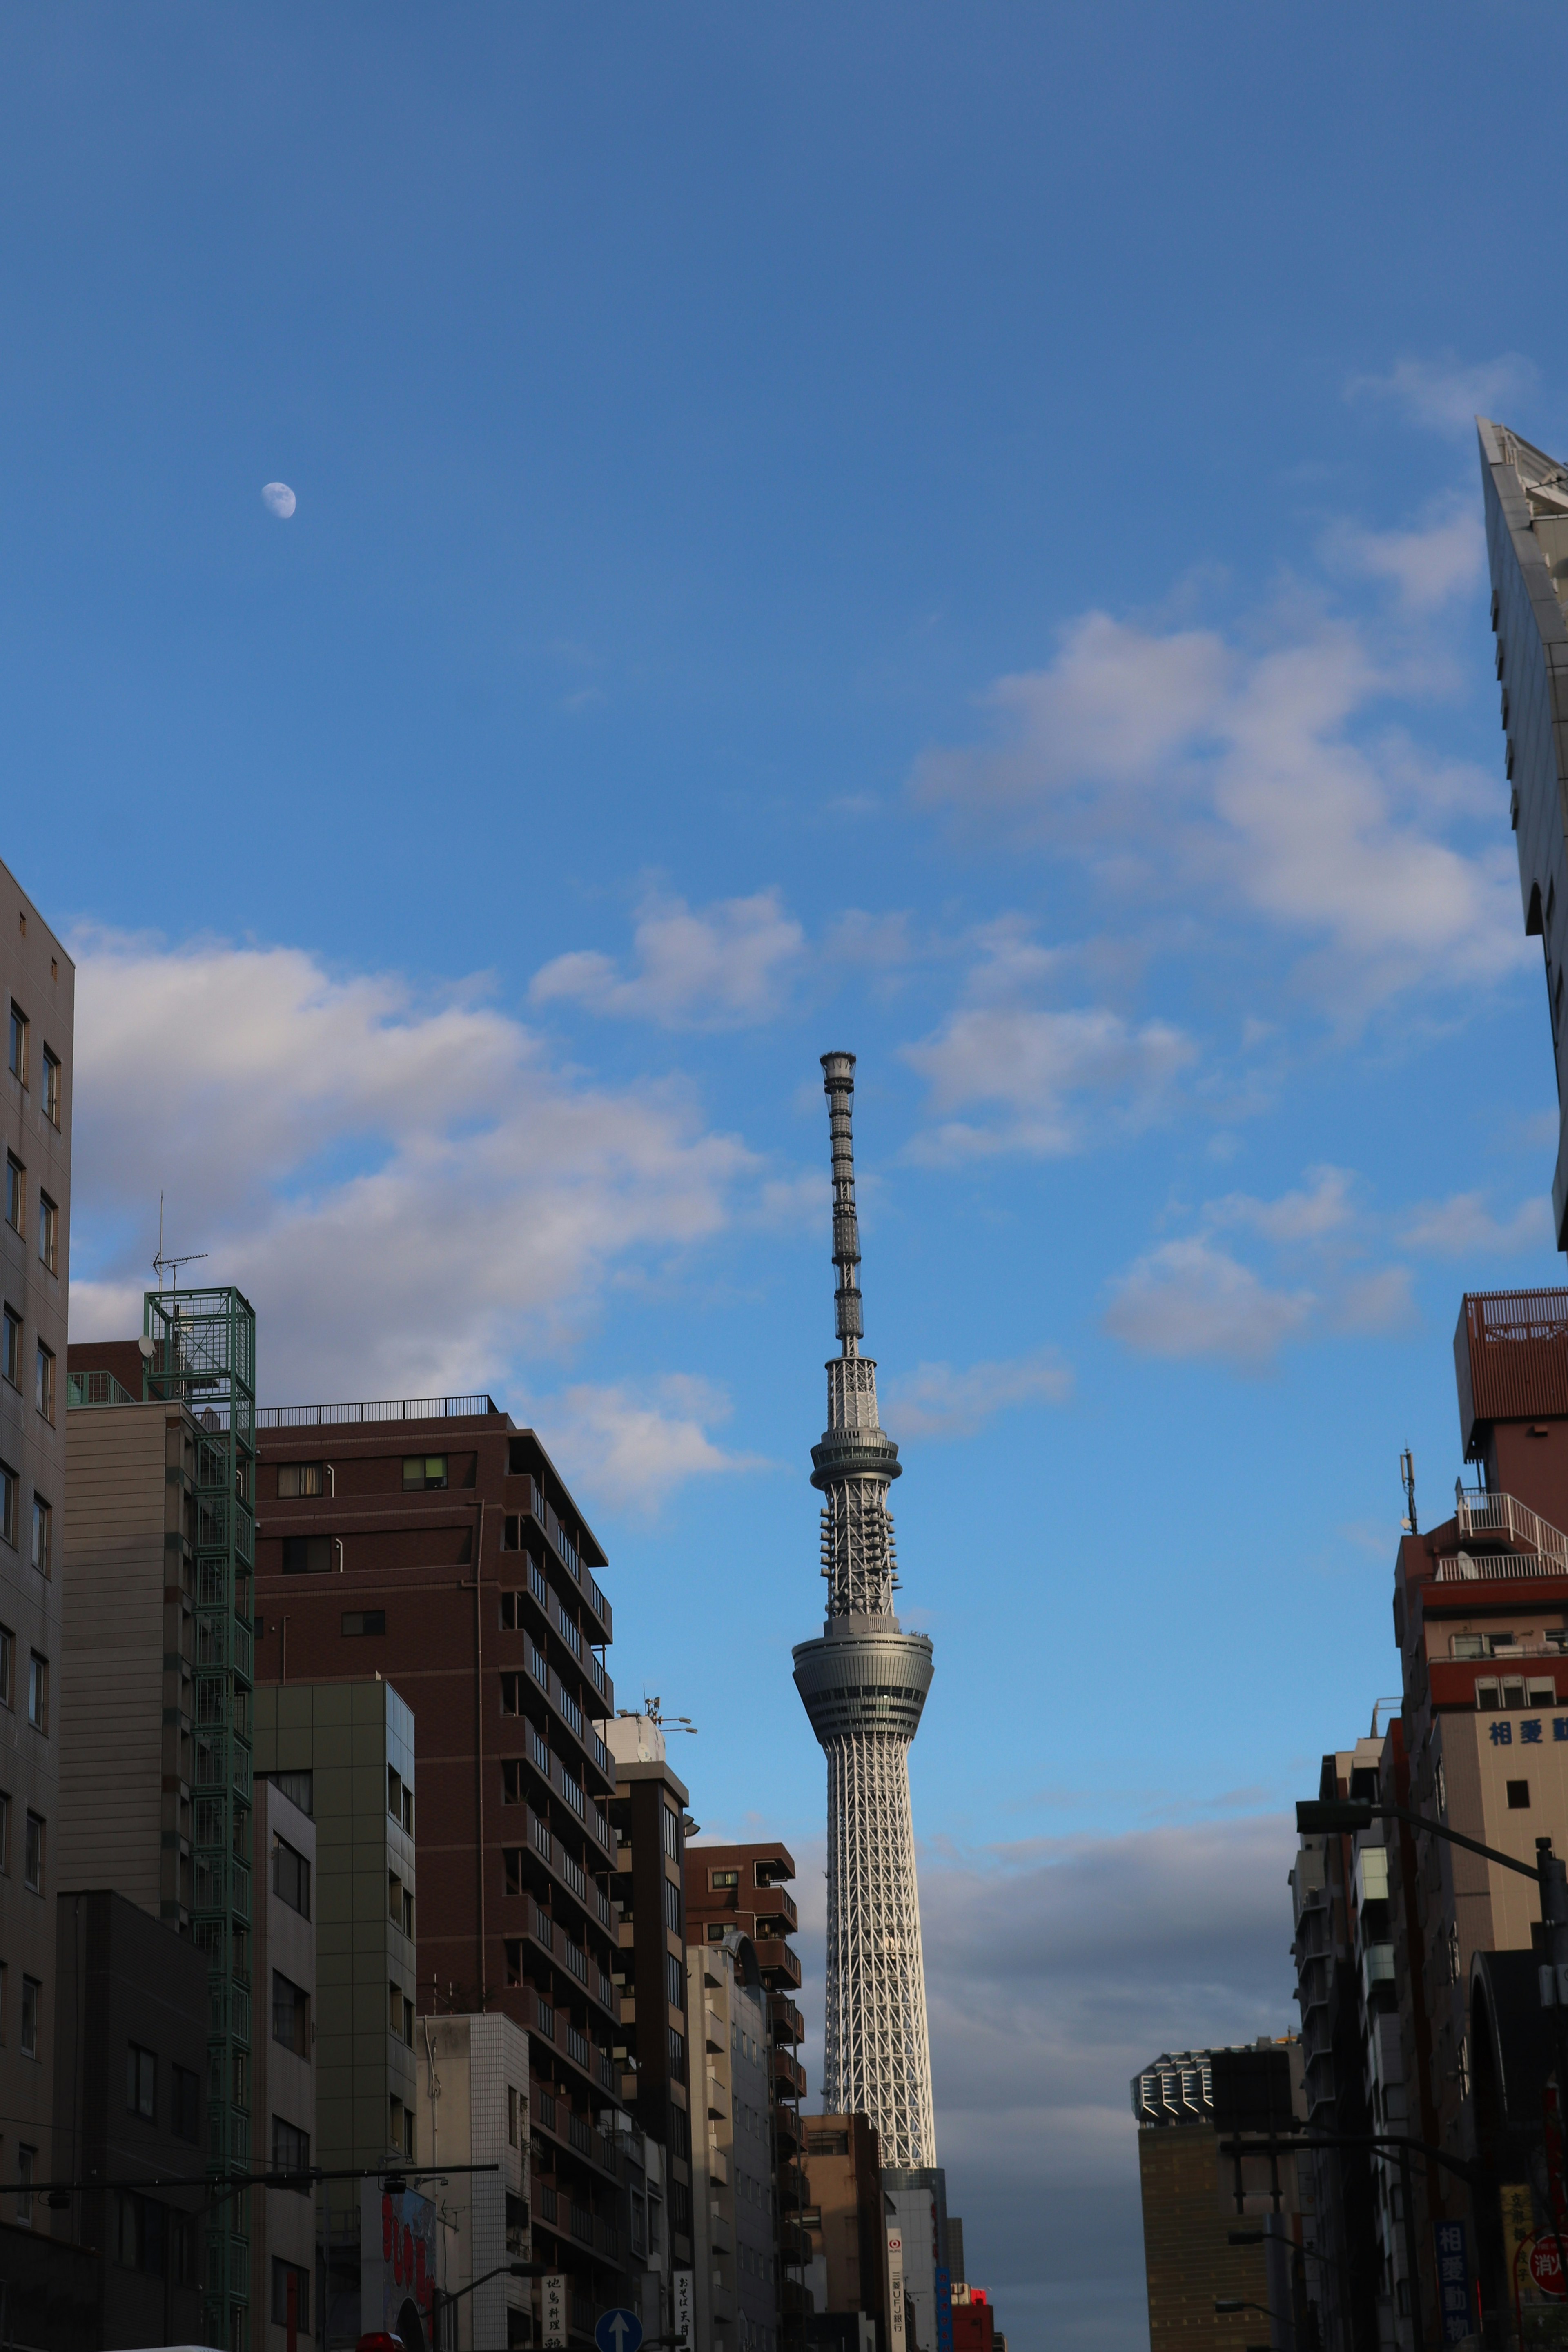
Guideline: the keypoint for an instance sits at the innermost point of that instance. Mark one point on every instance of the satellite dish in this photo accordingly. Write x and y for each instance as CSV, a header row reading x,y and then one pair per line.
x,y
145,1345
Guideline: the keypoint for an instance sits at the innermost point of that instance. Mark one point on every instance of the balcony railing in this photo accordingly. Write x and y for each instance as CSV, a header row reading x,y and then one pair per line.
x,y
1463,1568
326,1416
95,1388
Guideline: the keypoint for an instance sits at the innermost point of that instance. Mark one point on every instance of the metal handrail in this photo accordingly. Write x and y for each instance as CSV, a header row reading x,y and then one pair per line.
x,y
324,1416
1484,1512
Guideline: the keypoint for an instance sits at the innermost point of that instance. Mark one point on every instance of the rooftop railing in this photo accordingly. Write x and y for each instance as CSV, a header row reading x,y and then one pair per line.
x,y
96,1388
1479,1511
328,1416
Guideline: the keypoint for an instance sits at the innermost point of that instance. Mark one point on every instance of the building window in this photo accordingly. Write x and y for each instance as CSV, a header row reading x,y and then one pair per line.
x,y
717,1878
677,2055
290,2275
671,1832
364,1620
187,2114
19,1029
9,1488
300,1478
399,2015
422,1473
8,1658
33,1855
4,1834
16,1194
43,1537
516,2118
291,2015
26,2158
400,2122
12,1365
290,2150
284,2276
715,1931
51,1086
48,1232
141,2081
32,2015
299,1788
672,1907
399,1903
291,1876
39,1693
400,1800
43,1381
674,1984
1518,1795
307,1555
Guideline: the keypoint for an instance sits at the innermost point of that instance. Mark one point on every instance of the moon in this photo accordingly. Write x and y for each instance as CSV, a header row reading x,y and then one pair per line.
x,y
280,499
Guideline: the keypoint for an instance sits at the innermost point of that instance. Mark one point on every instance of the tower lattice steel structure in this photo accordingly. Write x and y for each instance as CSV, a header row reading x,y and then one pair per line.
x,y
864,1685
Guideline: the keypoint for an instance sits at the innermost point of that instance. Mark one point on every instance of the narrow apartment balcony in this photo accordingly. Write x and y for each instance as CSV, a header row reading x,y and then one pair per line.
x,y
778,1964
1377,1975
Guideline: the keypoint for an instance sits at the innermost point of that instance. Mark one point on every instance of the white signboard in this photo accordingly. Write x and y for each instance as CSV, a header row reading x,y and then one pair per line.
x,y
895,2291
553,2308
681,2282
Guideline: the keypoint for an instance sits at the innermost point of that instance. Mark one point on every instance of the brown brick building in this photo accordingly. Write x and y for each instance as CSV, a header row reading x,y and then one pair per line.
x,y
746,1887
432,1541
1188,2259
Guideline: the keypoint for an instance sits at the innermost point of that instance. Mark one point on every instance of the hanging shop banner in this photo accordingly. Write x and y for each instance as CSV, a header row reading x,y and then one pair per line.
x,y
1454,2300
553,2308
682,2282
896,2291
397,2259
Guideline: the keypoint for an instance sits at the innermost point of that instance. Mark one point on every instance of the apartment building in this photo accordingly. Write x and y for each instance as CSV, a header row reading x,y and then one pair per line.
x,y
341,1755
1188,2258
844,2220
736,2271
37,982
474,2110
156,1797
649,1817
1481,1613
284,1876
433,1540
1346,1899
130,2106
745,1888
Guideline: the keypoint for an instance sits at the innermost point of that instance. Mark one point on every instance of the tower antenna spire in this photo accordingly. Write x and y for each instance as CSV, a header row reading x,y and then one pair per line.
x,y
849,1313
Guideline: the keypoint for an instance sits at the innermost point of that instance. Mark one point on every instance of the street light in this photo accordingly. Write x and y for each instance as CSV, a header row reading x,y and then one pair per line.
x,y
439,2298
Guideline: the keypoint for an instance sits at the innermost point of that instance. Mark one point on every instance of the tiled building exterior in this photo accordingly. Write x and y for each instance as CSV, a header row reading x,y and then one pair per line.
x,y
474,2109
283,2220
36,998
737,2277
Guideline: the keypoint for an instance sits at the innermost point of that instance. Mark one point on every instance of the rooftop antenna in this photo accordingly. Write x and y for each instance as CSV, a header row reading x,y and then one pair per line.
x,y
1407,1480
649,1709
162,1265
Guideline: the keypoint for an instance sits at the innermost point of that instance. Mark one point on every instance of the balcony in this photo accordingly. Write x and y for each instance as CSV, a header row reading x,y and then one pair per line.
x,y
773,1904
1376,1972
1483,1513
788,2023
778,1964
789,2074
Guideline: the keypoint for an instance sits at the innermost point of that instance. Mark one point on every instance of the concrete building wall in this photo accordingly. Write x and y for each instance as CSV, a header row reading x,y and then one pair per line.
x,y
37,978
1188,2259
283,2227
475,2110
348,1736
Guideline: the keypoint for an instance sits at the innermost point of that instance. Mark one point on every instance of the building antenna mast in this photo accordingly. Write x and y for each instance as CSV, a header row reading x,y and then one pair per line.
x,y
162,1265
1407,1480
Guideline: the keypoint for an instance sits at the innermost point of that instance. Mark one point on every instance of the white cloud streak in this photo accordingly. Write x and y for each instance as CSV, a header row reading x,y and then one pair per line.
x,y
636,1443
936,1400
1186,770
1447,395
411,1195
1052,1081
724,966
1463,1226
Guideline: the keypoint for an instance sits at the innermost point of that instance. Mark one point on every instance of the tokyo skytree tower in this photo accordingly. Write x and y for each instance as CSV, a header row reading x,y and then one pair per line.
x,y
864,1685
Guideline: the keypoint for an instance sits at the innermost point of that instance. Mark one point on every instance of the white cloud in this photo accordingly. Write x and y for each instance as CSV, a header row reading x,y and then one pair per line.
x,y
1447,395
720,967
1300,1217
1189,1299
1041,1074
410,1194
1184,772
1427,566
634,1445
1463,1226
935,1401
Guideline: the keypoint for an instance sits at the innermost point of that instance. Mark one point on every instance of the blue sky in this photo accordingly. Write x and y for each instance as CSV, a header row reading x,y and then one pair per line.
x,y
951,533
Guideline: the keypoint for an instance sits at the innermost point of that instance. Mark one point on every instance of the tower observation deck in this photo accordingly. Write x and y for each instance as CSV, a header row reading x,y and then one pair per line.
x,y
864,1685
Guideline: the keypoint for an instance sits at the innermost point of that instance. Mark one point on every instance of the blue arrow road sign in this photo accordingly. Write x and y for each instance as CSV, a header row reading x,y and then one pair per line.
x,y
617,2331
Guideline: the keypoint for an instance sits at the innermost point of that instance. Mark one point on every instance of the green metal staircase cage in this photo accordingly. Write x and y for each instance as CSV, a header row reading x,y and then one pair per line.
x,y
204,1359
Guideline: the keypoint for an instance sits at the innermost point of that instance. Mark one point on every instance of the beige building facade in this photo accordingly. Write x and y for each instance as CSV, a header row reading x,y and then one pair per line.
x,y
283,2220
37,984
735,2276
474,2110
